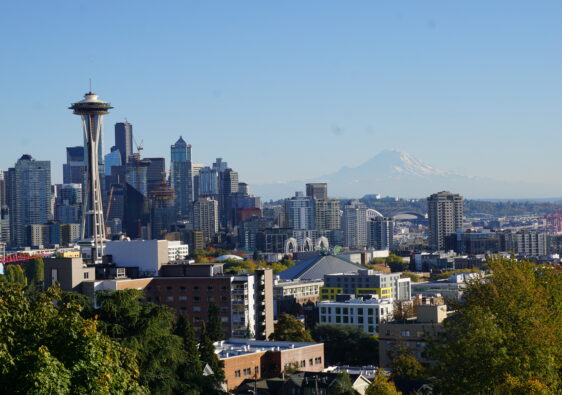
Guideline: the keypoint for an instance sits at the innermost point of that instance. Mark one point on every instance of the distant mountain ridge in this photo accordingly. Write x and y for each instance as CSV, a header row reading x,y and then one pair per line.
x,y
396,173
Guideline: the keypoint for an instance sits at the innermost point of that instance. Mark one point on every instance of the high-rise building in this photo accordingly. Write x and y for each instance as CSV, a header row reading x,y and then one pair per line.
x,y
124,140
327,214
205,217
136,174
445,215
300,212
68,203
156,173
73,169
92,110
208,183
354,224
30,196
112,159
317,190
163,212
4,211
182,177
381,233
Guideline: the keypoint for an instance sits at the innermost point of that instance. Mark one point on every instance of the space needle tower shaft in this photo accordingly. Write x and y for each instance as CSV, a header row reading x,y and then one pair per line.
x,y
92,110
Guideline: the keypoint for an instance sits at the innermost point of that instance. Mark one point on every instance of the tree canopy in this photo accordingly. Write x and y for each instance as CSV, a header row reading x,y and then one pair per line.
x,y
346,345
506,333
288,328
50,349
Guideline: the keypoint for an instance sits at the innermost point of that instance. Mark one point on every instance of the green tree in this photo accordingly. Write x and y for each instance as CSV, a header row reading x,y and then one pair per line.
x,y
214,325
288,328
412,276
406,369
15,274
346,345
381,385
396,263
343,385
505,333
147,329
208,356
46,347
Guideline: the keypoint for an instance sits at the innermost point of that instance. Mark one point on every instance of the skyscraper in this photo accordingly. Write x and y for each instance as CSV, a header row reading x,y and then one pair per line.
x,y
381,233
300,212
318,190
354,224
92,110
445,214
205,217
4,211
156,173
30,196
124,140
73,169
182,177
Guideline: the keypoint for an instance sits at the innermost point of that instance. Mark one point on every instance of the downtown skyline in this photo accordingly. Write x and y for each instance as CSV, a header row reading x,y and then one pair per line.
x,y
472,89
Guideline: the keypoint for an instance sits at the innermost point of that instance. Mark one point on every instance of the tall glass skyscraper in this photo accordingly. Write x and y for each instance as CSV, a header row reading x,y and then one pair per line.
x,y
124,140
30,196
182,177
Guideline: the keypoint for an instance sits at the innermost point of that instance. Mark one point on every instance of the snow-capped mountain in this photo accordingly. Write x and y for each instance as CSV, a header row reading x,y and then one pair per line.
x,y
395,173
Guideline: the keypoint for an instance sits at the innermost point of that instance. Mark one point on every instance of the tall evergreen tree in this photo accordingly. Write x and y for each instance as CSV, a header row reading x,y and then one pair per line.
x,y
208,356
214,327
192,362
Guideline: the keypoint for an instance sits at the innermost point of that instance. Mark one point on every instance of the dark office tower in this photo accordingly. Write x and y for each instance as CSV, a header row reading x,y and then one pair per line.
x,y
124,140
163,212
136,216
182,177
156,173
228,186
30,196
317,190
445,213
73,169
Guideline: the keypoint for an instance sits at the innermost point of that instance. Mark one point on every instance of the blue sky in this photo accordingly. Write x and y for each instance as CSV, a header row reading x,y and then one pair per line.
x,y
287,90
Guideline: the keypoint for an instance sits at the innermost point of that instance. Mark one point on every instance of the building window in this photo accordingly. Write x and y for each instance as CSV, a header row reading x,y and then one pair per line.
x,y
196,298
256,370
224,319
247,371
405,333
169,298
182,288
196,288
237,373
168,288
371,329
338,319
196,308
310,362
303,363
86,275
318,360
182,298
224,298
209,288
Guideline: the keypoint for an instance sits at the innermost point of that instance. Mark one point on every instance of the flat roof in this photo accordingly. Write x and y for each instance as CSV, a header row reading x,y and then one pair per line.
x,y
236,347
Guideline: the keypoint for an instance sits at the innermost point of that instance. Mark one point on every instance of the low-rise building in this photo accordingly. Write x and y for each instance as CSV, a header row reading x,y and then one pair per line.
x,y
366,282
253,359
366,314
412,333
70,273
288,293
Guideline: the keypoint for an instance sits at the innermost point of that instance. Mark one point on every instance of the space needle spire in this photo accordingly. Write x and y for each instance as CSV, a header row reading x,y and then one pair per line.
x,y
92,110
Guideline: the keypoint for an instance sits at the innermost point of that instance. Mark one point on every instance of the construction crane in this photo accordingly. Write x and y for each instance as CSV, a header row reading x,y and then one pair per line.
x,y
139,148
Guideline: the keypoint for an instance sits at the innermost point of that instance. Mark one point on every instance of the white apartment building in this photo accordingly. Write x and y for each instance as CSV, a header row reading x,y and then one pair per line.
x,y
365,314
177,250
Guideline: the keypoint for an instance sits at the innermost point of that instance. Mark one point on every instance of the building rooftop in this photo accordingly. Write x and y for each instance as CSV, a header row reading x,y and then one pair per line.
x,y
318,267
235,347
361,301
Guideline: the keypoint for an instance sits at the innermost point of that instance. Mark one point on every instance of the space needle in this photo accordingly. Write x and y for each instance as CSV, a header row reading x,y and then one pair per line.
x,y
92,110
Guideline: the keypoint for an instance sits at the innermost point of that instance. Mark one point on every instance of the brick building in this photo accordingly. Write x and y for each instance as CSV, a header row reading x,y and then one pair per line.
x,y
245,359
